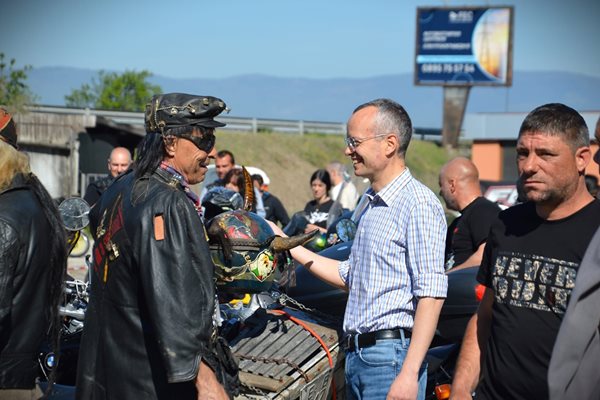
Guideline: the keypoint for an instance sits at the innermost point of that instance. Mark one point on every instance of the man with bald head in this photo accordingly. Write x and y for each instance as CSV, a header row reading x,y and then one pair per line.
x,y
465,240
118,162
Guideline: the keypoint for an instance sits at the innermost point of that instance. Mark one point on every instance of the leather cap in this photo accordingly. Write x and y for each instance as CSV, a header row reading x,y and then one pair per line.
x,y
8,130
172,110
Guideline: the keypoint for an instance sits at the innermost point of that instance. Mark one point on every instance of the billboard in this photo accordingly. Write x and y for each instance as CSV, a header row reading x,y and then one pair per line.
x,y
464,46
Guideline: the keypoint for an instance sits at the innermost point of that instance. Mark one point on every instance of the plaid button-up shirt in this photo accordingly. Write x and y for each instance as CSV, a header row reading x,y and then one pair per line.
x,y
397,257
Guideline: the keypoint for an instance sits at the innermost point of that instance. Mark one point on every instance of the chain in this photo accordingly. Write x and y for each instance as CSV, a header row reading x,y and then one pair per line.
x,y
278,361
285,299
255,390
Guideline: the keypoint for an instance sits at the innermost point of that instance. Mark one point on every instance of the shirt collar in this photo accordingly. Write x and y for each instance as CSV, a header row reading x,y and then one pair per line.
x,y
390,191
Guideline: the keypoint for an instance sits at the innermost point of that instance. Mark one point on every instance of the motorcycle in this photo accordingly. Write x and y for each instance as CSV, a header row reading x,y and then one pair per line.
x,y
309,300
74,212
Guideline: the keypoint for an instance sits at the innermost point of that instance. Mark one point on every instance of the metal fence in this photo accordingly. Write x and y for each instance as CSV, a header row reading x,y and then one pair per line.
x,y
252,125
255,125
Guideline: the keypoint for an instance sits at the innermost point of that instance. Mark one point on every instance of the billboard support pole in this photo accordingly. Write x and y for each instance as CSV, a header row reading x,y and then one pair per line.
x,y
455,103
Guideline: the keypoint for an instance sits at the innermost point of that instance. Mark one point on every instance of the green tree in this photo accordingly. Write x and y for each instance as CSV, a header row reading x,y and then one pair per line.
x,y
14,92
83,97
129,91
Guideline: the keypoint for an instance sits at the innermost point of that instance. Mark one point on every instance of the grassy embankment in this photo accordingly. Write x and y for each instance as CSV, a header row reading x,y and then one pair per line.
x,y
290,159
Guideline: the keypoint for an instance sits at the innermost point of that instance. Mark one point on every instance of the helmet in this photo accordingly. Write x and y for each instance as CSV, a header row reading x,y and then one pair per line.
x,y
219,199
244,250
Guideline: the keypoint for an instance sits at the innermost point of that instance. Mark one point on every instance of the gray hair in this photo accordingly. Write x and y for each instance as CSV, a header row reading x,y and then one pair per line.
x,y
391,118
337,167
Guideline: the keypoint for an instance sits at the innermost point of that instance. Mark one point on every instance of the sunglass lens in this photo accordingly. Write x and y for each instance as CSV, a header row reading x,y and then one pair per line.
x,y
206,142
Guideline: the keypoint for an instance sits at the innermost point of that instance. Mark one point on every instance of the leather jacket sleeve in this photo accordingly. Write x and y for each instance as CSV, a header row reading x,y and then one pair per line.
x,y
9,253
177,284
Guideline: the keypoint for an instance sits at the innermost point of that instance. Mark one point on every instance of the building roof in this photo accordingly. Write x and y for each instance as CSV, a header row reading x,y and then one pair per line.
x,y
505,126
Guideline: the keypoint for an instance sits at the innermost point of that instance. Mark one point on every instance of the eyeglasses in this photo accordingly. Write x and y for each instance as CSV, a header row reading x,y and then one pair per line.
x,y
353,142
206,142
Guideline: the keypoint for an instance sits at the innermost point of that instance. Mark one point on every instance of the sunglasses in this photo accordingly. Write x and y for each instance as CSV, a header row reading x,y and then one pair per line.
x,y
206,142
354,142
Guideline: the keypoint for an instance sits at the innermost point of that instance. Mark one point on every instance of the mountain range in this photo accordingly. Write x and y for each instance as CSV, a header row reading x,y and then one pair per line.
x,y
263,96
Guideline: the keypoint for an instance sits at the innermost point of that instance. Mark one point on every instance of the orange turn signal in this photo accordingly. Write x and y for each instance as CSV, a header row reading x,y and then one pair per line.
x,y
479,292
442,392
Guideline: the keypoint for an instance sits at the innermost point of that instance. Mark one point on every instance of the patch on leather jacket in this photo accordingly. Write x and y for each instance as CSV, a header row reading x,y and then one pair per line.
x,y
159,227
106,249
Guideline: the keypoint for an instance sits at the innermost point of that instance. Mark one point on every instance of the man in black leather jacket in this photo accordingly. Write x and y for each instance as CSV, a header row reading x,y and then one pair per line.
x,y
118,162
32,267
149,323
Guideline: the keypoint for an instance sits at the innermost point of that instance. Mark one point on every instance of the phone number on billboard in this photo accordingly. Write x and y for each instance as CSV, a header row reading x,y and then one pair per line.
x,y
447,68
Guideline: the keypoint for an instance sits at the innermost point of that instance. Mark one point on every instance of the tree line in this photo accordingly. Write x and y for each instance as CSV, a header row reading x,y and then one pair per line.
x,y
127,91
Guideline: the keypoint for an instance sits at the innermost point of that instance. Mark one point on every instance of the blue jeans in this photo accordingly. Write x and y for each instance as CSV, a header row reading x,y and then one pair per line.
x,y
370,371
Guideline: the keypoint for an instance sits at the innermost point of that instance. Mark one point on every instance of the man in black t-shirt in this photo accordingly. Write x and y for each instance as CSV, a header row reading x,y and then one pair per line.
x,y
460,189
530,262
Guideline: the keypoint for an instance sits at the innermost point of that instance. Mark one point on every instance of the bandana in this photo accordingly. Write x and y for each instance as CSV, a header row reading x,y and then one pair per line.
x,y
8,131
186,186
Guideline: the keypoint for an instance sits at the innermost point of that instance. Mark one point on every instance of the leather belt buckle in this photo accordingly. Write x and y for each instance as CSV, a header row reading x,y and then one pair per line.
x,y
370,338
366,340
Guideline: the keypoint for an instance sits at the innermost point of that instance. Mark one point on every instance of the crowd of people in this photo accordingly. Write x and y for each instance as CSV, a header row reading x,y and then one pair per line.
x,y
150,328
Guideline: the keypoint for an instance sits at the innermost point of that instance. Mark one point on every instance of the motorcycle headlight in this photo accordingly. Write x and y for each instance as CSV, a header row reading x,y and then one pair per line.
x,y
49,360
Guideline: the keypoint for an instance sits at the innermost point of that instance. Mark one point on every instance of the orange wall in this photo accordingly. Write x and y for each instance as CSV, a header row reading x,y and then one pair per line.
x,y
488,159
487,156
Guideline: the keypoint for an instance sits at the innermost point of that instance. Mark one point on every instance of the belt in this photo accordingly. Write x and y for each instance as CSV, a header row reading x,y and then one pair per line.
x,y
369,339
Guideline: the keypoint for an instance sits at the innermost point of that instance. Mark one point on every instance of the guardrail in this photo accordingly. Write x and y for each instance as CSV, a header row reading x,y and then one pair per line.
x,y
256,125
253,125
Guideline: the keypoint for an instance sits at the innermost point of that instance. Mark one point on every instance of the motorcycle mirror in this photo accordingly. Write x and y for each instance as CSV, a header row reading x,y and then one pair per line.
x,y
346,229
74,212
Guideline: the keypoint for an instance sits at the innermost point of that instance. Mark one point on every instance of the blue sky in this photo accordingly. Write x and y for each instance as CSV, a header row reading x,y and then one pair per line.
x,y
307,39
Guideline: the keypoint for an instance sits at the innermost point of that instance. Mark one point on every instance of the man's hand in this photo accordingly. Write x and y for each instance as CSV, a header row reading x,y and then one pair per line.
x,y
404,387
406,384
324,268
207,385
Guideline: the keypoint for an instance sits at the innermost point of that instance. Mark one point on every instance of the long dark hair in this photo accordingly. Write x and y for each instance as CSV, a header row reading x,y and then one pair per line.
x,y
323,176
57,264
151,152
